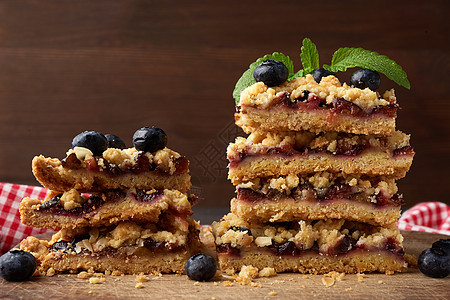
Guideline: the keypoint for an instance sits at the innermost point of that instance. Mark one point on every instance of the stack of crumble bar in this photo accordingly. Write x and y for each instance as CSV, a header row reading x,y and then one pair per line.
x,y
125,211
315,180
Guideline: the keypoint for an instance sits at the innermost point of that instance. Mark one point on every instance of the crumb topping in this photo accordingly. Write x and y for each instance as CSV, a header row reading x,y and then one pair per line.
x,y
125,158
329,89
258,142
327,233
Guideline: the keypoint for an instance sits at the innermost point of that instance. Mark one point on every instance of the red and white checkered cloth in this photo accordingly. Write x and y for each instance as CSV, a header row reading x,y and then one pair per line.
x,y
12,231
429,217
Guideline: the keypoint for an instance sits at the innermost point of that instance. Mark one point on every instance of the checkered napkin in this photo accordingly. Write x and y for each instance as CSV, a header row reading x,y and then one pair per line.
x,y
12,231
428,217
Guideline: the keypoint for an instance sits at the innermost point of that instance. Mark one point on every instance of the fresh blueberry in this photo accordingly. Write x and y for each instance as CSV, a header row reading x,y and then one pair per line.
x,y
149,139
115,142
93,140
319,73
17,265
434,263
200,267
365,78
271,72
444,245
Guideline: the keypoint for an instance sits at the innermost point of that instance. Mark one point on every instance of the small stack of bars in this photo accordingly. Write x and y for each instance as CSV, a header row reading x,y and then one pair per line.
x,y
124,211
315,180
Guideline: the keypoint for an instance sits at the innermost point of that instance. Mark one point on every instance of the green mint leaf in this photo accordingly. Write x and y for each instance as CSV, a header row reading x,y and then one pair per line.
x,y
345,58
247,79
309,56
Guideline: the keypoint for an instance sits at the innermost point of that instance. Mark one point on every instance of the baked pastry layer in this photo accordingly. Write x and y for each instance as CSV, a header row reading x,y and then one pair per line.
x,y
321,195
115,169
303,104
72,210
278,154
129,248
308,246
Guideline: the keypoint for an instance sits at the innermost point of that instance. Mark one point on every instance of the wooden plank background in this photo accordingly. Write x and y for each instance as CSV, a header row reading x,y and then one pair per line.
x,y
114,66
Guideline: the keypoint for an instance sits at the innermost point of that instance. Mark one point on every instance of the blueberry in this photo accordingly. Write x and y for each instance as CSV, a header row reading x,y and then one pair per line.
x,y
319,73
200,267
114,141
434,263
365,78
444,245
149,139
17,265
271,72
93,140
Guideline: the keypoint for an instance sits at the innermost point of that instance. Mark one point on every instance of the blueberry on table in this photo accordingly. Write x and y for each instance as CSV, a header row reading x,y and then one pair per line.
x,y
114,141
92,140
434,262
17,265
365,78
149,139
319,73
200,267
271,72
442,244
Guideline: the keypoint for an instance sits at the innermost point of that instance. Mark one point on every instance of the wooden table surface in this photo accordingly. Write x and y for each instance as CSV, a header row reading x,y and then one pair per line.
x,y
409,285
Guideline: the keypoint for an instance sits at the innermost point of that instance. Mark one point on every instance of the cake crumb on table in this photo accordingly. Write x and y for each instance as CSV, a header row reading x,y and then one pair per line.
x,y
247,274
227,283
83,275
141,277
272,293
360,276
196,283
94,280
139,285
348,289
328,281
267,272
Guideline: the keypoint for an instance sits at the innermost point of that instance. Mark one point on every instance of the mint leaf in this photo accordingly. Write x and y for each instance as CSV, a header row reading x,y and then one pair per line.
x,y
247,79
309,56
345,58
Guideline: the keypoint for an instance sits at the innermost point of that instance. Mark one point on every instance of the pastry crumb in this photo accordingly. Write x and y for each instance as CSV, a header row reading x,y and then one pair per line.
x,y
305,276
328,281
272,293
389,272
139,285
107,272
116,273
246,275
380,281
141,277
348,289
227,283
83,275
94,280
196,283
50,272
336,275
216,283
267,272
254,284
303,286
360,276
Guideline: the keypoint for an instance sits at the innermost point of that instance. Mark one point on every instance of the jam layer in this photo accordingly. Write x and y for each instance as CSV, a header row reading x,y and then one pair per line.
x,y
103,209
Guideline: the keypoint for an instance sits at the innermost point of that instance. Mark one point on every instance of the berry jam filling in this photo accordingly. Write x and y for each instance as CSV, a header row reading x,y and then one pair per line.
x,y
153,245
287,150
141,165
54,207
289,248
92,203
338,106
333,193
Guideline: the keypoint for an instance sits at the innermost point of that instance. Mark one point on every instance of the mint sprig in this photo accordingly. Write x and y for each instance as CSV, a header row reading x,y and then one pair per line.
x,y
345,58
309,56
247,79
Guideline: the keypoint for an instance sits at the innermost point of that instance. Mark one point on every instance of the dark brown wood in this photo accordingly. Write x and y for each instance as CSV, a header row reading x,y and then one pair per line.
x,y
114,66
410,285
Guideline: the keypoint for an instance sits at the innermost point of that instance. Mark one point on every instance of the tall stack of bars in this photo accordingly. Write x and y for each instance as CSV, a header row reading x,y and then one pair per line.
x,y
315,180
124,211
